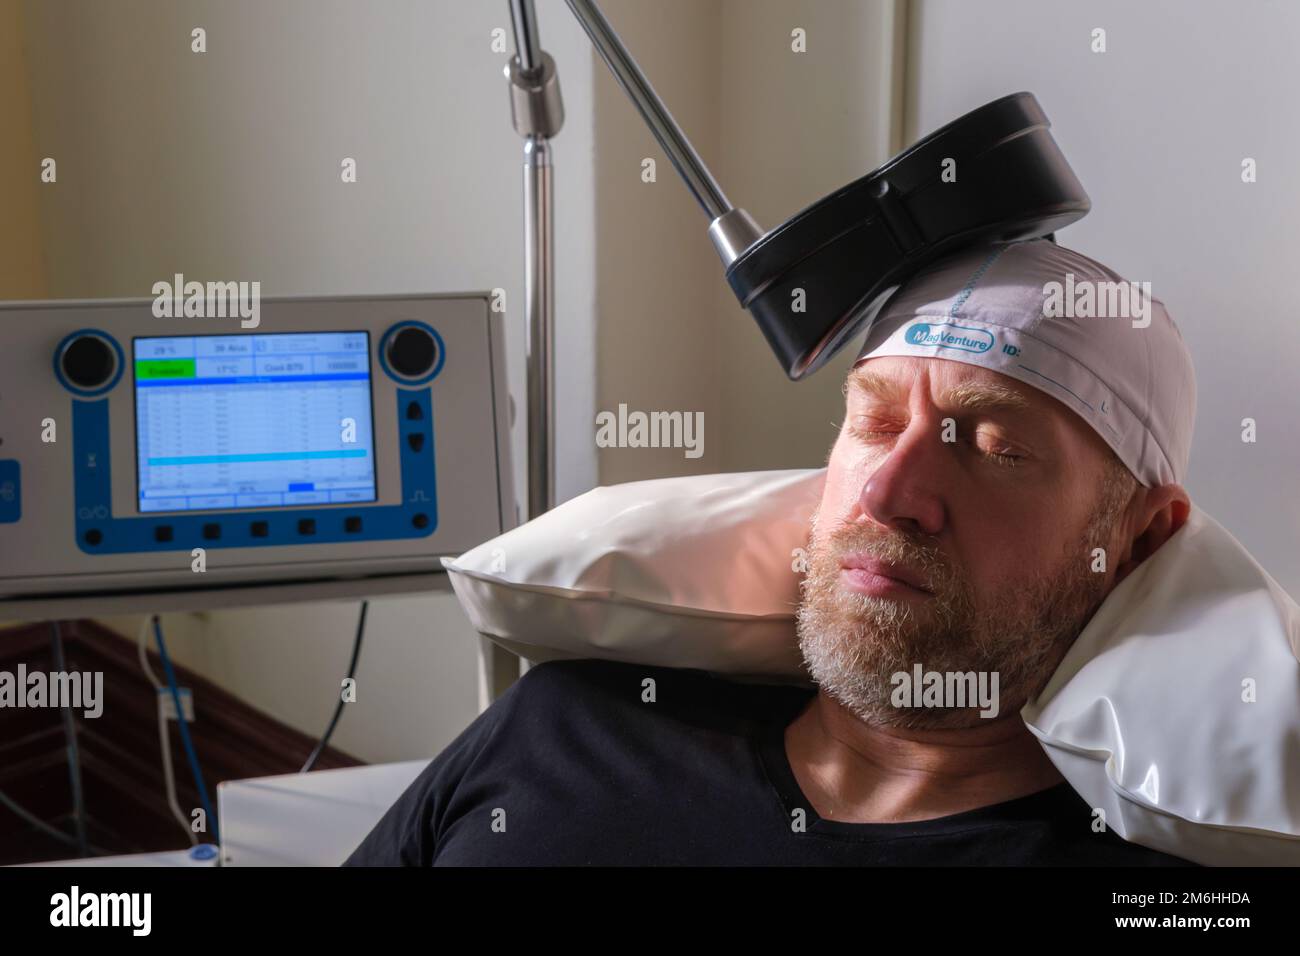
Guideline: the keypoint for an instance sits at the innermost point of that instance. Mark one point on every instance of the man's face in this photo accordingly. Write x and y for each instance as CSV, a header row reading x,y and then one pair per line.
x,y
989,497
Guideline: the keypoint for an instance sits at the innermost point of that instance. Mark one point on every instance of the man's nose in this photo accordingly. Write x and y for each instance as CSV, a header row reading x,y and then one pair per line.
x,y
903,491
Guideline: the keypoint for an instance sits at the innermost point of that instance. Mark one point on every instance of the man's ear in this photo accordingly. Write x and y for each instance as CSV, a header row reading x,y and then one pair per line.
x,y
1157,514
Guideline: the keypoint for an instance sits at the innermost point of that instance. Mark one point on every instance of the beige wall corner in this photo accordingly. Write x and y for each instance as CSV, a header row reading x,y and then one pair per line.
x,y
796,127
22,261
656,270
780,129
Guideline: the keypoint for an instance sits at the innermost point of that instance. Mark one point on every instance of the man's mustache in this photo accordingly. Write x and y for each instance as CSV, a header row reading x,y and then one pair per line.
x,y
894,547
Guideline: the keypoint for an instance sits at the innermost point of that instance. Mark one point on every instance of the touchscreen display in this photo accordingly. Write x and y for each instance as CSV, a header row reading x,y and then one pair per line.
x,y
253,421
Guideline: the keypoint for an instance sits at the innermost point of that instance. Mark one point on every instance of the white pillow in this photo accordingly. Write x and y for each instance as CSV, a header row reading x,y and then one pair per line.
x,y
1144,717
1147,715
697,571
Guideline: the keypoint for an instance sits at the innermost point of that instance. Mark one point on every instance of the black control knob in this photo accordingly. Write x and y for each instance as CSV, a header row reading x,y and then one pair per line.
x,y
88,362
412,352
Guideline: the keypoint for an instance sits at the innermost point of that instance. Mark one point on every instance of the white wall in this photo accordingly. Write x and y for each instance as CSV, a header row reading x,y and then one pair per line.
x,y
226,165
1156,128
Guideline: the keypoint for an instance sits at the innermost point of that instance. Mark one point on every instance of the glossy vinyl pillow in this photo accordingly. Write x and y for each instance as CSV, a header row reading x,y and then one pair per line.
x,y
697,571
1177,710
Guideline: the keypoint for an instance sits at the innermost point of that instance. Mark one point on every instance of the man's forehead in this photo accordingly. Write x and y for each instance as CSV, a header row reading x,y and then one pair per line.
x,y
960,383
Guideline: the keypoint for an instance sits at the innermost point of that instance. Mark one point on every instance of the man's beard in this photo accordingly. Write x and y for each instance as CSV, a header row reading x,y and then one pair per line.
x,y
854,643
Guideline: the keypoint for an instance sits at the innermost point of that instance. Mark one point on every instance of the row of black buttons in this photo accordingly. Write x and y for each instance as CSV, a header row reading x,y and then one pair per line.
x,y
258,529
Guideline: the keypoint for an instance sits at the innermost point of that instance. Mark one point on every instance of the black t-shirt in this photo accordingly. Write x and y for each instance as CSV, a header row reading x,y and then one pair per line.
x,y
571,767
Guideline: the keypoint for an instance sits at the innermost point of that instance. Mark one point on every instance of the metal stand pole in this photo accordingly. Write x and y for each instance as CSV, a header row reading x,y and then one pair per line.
x,y
538,112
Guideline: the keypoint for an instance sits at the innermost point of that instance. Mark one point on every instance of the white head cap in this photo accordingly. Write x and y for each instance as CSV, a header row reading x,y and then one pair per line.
x,y
1063,323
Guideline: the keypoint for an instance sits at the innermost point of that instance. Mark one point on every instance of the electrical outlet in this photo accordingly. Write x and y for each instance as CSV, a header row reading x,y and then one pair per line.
x,y
168,705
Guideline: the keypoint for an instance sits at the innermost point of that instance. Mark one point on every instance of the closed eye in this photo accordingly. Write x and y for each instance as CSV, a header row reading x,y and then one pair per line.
x,y
868,430
1002,459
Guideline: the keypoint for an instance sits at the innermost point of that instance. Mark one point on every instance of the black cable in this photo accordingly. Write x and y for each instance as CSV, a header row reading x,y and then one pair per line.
x,y
74,754
31,818
338,708
28,817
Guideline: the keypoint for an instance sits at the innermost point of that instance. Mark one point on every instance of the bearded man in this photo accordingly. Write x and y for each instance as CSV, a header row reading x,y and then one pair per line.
x,y
1001,467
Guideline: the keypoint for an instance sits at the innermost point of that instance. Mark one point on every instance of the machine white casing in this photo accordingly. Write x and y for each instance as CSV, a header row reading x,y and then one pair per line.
x,y
45,570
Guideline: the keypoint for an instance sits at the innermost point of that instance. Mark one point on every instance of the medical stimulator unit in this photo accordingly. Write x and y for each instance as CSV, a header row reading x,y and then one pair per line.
x,y
333,439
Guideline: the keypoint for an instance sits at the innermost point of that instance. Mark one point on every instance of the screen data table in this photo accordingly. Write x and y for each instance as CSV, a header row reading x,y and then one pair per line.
x,y
253,421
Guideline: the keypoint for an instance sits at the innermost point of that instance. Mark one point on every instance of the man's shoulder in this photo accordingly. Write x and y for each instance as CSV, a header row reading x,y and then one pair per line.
x,y
593,680
591,683
1075,820
599,673
560,675
1119,851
